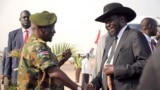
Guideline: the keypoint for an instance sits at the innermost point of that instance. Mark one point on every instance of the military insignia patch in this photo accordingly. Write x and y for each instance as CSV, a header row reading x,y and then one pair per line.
x,y
42,53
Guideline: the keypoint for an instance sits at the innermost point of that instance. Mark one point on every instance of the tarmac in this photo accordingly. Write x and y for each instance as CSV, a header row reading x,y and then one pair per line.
x,y
68,68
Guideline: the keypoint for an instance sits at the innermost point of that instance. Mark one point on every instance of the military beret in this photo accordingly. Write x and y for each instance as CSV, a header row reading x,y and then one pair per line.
x,y
44,18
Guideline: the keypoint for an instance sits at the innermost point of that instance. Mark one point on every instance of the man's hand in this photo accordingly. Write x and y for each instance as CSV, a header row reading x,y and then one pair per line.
x,y
108,69
65,56
89,87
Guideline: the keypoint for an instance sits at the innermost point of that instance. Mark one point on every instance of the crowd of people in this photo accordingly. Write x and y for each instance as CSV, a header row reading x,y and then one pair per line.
x,y
126,59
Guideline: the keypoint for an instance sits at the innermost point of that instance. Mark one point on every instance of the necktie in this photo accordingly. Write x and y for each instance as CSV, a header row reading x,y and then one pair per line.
x,y
109,81
112,50
26,35
153,44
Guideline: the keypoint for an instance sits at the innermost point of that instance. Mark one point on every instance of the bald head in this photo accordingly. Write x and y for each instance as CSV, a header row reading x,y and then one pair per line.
x,y
24,19
24,11
149,26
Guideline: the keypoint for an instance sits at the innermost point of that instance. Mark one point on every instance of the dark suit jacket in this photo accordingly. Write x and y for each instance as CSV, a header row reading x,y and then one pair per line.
x,y
129,60
150,79
15,41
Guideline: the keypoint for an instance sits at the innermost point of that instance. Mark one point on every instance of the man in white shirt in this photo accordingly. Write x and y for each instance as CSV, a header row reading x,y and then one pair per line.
x,y
99,54
86,69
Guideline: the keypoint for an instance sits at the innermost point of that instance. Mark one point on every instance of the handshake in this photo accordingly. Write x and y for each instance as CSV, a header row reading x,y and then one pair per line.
x,y
89,86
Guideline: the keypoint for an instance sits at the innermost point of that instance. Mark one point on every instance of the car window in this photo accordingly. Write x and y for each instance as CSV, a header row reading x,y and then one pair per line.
x,y
134,26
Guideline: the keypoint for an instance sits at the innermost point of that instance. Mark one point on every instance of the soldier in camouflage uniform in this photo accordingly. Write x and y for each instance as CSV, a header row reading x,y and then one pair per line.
x,y
38,67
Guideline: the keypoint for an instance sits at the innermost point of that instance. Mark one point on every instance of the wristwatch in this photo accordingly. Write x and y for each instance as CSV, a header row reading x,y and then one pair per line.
x,y
79,88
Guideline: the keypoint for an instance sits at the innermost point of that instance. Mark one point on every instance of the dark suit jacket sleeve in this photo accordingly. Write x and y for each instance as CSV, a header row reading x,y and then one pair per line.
x,y
134,64
150,79
7,68
97,81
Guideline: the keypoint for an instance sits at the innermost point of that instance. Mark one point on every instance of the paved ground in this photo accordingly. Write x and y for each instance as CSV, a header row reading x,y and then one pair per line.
x,y
69,70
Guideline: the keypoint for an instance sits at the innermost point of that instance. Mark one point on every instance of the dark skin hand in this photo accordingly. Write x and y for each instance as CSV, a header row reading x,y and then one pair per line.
x,y
108,69
61,78
88,87
65,56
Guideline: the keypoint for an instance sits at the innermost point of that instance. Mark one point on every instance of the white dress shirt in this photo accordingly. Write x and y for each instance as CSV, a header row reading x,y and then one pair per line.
x,y
149,41
86,66
119,37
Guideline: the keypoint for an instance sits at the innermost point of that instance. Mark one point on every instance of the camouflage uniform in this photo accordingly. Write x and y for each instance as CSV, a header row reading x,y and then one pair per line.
x,y
36,57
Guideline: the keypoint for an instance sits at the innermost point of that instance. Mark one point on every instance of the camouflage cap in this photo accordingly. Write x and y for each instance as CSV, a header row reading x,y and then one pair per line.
x,y
44,18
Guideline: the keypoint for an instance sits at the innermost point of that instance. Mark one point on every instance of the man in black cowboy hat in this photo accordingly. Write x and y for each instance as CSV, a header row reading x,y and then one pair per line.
x,y
125,53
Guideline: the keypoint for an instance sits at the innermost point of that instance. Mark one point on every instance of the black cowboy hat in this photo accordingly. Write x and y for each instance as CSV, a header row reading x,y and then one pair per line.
x,y
116,9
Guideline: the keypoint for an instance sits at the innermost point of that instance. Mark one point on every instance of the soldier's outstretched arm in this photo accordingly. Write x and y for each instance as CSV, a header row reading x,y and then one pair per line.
x,y
56,73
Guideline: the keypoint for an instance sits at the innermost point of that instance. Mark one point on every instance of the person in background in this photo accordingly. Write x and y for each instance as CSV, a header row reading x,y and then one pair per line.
x,y
39,67
16,39
1,67
157,38
2,64
148,27
86,69
78,66
125,53
150,79
1,71
99,54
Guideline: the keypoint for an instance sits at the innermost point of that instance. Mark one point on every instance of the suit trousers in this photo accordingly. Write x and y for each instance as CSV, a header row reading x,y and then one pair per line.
x,y
85,78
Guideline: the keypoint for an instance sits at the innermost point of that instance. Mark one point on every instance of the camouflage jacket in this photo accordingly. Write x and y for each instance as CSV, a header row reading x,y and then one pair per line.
x,y
36,57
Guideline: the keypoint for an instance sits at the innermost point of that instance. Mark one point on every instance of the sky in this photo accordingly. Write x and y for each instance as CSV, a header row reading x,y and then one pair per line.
x,y
75,23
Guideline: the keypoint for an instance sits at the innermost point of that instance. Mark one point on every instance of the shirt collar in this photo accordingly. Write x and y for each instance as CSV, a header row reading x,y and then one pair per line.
x,y
147,37
29,30
121,31
155,40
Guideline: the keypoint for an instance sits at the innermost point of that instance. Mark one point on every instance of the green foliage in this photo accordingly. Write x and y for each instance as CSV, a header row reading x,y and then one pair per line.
x,y
15,53
77,61
12,87
58,48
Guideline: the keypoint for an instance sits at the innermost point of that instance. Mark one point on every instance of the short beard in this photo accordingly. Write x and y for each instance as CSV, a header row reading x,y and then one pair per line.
x,y
111,35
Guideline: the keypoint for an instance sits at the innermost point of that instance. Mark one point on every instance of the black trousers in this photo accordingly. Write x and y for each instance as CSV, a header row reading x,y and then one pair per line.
x,y
85,78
